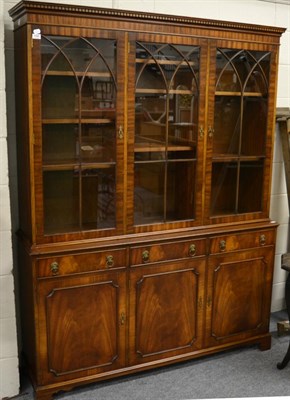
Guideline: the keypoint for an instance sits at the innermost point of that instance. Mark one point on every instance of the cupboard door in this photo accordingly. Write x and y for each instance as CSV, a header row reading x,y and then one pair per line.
x,y
81,325
239,295
77,86
168,89
240,130
166,303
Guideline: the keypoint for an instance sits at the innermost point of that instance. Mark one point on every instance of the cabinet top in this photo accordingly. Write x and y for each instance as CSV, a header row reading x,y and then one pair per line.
x,y
33,7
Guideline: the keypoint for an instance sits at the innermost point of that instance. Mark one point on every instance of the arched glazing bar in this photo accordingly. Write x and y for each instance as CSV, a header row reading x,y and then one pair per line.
x,y
167,92
78,135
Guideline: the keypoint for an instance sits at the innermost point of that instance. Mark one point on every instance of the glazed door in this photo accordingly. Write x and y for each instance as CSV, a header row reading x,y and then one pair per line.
x,y
167,91
239,295
239,132
80,107
81,322
166,310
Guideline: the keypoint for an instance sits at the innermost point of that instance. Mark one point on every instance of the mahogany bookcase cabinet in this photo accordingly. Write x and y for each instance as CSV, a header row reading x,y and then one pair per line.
x,y
144,155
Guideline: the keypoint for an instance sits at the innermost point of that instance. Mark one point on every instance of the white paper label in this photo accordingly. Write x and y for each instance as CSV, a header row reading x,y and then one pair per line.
x,y
36,34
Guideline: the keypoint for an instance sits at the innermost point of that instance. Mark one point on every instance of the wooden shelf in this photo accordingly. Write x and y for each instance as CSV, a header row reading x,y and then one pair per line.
x,y
77,121
78,73
97,110
163,91
239,94
74,166
144,145
219,158
147,147
163,62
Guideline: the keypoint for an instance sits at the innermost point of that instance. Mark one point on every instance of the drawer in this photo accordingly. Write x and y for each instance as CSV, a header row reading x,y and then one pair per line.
x,y
167,251
77,263
239,241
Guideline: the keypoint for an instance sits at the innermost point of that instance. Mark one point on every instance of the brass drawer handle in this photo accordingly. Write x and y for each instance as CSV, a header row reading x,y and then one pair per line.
x,y
222,245
192,250
262,240
145,255
109,261
54,267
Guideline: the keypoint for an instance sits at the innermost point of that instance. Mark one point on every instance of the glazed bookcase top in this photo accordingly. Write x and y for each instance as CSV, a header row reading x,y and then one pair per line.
x,y
141,123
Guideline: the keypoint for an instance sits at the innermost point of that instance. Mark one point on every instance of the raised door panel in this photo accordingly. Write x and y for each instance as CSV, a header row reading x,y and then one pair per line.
x,y
239,295
81,325
165,310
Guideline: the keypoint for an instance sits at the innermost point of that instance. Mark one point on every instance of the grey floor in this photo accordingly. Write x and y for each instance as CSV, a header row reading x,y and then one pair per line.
x,y
244,372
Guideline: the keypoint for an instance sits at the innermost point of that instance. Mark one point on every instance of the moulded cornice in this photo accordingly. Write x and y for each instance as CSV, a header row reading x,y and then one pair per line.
x,y
37,7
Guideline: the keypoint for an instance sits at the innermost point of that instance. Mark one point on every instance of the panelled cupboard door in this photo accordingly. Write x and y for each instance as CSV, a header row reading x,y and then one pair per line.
x,y
240,130
78,119
81,323
166,303
239,295
166,102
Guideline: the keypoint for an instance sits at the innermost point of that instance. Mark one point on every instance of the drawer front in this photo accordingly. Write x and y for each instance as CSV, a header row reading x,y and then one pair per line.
x,y
167,251
239,241
77,263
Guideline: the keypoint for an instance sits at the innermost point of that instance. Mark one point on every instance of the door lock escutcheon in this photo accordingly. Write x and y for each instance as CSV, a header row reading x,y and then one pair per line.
x,y
120,132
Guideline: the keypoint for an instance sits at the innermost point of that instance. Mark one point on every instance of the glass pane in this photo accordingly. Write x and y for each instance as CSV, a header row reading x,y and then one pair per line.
x,y
98,95
101,100
240,127
258,77
166,123
180,195
98,198
59,96
52,56
61,201
254,126
150,122
149,193
97,143
242,71
224,184
227,76
79,132
59,143
227,125
251,186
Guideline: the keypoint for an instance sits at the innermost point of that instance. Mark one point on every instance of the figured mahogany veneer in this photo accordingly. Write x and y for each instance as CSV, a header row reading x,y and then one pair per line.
x,y
144,155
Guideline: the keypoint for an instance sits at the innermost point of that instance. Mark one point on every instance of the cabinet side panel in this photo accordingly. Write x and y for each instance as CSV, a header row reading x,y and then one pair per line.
x,y
22,127
27,307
